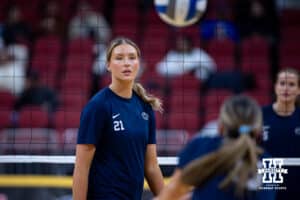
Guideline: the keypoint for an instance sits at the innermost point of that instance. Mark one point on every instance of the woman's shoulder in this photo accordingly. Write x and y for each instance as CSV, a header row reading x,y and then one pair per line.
x,y
206,142
197,148
203,145
147,106
267,108
99,100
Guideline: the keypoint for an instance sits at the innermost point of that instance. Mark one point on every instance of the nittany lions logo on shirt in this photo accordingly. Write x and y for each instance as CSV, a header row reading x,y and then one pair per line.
x,y
297,131
145,116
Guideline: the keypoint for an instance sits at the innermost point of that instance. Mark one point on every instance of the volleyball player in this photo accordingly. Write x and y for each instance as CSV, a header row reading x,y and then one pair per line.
x,y
222,167
116,139
281,135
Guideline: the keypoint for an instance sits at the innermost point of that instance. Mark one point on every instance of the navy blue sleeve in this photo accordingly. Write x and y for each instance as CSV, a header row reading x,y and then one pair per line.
x,y
197,148
187,154
92,123
152,127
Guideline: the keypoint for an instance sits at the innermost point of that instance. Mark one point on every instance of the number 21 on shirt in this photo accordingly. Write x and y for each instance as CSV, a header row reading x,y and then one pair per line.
x,y
118,126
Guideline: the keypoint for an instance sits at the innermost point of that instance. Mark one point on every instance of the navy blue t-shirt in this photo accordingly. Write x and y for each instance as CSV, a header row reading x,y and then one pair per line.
x,y
281,138
120,129
201,146
281,134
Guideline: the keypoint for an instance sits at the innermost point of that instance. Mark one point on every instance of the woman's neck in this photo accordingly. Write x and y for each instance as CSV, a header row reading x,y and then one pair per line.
x,y
123,90
283,109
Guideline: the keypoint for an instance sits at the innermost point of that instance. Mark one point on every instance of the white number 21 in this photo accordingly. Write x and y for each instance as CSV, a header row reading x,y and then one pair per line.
x,y
118,125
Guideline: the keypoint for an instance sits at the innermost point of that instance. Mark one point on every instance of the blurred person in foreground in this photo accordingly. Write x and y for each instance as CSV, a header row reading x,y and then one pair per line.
x,y
223,167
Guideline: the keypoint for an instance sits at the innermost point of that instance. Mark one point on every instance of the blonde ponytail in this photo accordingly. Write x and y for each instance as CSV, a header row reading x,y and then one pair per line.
x,y
237,157
153,101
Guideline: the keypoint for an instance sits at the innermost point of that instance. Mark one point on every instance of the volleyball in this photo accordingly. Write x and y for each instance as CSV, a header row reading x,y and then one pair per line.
x,y
180,13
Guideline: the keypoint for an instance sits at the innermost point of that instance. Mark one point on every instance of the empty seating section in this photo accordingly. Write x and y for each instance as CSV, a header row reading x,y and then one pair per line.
x,y
255,56
212,102
67,119
222,51
33,117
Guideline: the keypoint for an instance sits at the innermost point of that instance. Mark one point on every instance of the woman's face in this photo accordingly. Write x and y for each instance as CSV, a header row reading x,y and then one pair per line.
x,y
286,87
124,63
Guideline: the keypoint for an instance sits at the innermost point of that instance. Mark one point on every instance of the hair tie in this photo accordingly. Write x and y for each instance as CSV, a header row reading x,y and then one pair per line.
x,y
245,129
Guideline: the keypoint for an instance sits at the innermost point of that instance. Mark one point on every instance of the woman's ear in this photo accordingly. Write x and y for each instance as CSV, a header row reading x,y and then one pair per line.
x,y
107,67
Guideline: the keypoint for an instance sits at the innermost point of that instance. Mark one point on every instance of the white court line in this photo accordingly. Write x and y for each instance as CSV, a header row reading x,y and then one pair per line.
x,y
71,160
64,159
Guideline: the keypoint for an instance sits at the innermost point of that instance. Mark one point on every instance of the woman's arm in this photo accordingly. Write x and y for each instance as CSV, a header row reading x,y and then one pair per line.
x,y
84,156
152,171
175,190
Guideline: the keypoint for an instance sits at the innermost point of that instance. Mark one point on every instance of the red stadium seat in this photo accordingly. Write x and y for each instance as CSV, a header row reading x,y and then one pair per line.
x,y
67,119
80,46
75,83
215,97
72,102
5,118
254,66
127,13
262,97
289,17
33,117
213,101
152,18
211,112
222,51
263,83
47,68
48,45
255,48
160,120
129,31
153,81
105,80
184,121
75,63
184,104
7,100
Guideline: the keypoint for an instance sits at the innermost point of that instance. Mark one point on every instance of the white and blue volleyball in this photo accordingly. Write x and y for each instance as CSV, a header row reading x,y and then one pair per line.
x,y
180,13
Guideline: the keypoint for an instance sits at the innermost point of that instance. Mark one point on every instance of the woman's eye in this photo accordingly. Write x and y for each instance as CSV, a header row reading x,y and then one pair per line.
x,y
292,84
282,83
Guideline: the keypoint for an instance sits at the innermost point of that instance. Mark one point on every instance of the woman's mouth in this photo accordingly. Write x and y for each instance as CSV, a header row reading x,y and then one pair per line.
x,y
126,72
285,95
